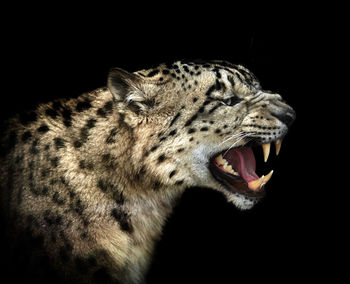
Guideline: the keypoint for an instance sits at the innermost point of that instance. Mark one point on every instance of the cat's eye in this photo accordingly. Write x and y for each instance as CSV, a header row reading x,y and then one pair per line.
x,y
231,101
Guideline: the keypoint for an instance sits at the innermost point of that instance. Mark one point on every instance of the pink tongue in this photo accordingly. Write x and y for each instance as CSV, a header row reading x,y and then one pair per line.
x,y
243,161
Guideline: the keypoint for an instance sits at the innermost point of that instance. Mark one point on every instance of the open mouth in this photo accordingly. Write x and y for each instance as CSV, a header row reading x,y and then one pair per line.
x,y
235,170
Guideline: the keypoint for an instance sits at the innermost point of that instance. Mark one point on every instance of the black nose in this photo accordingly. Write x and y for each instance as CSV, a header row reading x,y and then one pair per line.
x,y
286,117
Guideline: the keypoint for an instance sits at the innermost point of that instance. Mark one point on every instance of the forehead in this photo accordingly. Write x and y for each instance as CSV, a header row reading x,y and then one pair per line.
x,y
185,69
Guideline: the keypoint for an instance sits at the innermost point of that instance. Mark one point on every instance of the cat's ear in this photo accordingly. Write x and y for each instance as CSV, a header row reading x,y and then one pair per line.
x,y
128,88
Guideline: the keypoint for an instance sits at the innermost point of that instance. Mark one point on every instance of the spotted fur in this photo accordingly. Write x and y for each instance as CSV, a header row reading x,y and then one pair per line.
x,y
91,180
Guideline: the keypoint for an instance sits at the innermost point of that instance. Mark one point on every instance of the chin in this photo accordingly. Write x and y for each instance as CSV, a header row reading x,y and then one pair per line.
x,y
240,201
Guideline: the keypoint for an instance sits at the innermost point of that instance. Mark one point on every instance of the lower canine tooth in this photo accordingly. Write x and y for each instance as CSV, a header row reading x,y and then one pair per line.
x,y
256,184
267,178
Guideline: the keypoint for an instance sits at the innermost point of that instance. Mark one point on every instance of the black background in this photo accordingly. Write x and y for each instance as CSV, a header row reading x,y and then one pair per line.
x,y
285,237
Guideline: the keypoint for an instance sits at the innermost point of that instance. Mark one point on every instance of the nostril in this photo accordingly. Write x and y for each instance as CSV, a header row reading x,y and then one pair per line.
x,y
286,117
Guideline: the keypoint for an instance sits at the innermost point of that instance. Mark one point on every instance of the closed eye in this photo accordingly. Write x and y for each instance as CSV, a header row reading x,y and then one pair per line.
x,y
231,101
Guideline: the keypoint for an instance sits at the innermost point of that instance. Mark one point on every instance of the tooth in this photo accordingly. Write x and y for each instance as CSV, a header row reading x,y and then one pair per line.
x,y
228,167
266,149
268,177
278,144
260,182
256,184
220,160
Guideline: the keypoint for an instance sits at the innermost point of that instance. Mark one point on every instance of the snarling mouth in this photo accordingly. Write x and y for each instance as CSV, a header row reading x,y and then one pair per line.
x,y
235,170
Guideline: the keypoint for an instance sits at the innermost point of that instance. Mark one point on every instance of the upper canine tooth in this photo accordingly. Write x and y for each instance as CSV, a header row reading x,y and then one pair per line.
x,y
266,149
278,144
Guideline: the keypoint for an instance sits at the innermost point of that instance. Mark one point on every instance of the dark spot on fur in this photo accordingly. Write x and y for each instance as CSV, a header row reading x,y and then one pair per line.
x,y
78,207
84,105
140,173
123,219
106,158
179,182
156,185
58,199
180,150
153,73
154,148
44,173
210,90
217,130
83,235
193,118
56,105
59,143
51,219
108,106
109,161
101,112
161,158
172,133
91,123
172,173
111,137
118,196
175,118
67,117
26,135
33,149
102,185
84,165
51,113
204,129
19,159
77,144
113,192
191,130
84,132
45,190
54,162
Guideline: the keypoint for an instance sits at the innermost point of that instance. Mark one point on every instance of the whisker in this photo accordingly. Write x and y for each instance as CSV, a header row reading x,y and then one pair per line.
x,y
231,137
236,142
